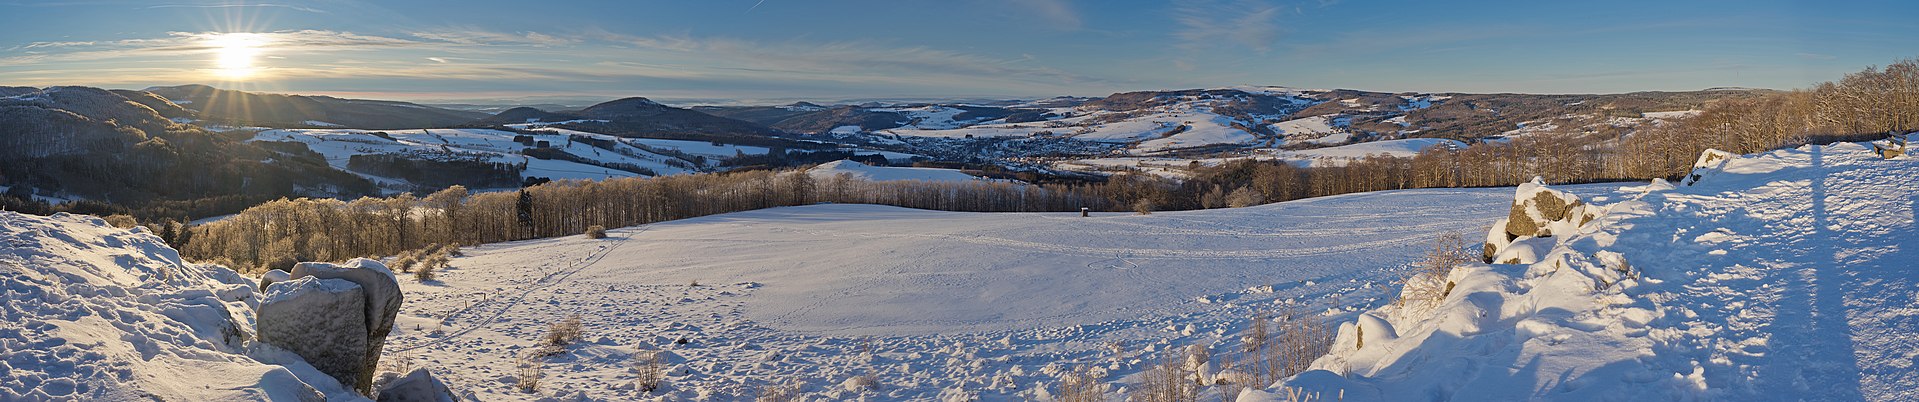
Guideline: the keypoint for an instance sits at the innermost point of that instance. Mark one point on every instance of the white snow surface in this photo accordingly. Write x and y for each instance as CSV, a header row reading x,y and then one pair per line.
x,y
934,305
887,173
1787,275
338,145
93,312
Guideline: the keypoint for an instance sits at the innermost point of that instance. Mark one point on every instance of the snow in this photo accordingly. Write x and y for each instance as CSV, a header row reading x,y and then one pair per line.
x,y
338,145
93,312
317,123
1672,115
887,173
1785,275
1316,129
1403,148
929,303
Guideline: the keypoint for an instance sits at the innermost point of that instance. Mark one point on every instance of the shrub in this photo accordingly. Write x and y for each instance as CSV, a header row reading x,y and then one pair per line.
x,y
596,232
1080,385
1167,381
424,273
1144,206
779,393
1426,286
529,372
651,370
567,331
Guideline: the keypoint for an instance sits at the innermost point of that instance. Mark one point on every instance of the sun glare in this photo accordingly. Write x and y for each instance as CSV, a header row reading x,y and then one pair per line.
x,y
236,54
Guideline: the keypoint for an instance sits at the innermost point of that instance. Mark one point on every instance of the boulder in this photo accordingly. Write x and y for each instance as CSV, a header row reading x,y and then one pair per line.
x,y
381,306
1537,211
416,386
321,320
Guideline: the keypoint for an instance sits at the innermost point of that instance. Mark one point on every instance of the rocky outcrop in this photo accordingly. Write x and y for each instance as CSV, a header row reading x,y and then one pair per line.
x,y
416,386
321,320
1537,212
310,316
382,294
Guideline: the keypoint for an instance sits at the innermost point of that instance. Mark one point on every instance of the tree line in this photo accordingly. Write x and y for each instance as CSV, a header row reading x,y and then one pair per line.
x,y
278,233
1864,105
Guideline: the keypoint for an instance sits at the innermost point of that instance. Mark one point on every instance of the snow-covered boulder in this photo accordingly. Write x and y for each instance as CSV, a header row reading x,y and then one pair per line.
x,y
1537,211
321,320
1709,160
381,293
92,312
416,386
274,275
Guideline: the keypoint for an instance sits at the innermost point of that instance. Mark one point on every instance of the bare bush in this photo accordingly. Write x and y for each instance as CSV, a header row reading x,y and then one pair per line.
x,y
1168,381
529,372
1427,286
596,232
560,334
1080,385
650,368
778,393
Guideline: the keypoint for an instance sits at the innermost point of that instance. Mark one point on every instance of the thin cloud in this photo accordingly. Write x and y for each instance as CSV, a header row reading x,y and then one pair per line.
x,y
260,5
1206,24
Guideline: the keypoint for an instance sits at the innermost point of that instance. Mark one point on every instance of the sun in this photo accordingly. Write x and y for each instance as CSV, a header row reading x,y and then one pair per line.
x,y
236,54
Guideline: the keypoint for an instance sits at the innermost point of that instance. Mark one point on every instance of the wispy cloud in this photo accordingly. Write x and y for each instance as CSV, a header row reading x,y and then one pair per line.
x,y
1206,24
252,5
1058,12
539,58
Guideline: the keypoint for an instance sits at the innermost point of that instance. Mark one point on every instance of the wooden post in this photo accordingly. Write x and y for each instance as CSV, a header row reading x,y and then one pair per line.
x,y
1085,212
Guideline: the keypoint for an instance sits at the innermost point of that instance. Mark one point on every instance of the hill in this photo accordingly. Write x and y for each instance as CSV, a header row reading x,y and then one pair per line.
x,y
287,111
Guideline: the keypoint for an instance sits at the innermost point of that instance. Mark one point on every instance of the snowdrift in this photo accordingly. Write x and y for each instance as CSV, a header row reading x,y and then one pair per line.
x,y
93,312
1787,275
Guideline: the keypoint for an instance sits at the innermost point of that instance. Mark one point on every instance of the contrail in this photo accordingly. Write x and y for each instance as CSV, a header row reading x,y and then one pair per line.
x,y
755,5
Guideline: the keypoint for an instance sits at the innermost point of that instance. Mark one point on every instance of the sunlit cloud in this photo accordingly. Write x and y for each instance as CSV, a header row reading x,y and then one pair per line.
x,y
641,63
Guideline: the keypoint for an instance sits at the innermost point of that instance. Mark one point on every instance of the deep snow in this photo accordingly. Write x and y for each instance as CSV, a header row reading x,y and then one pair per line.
x,y
93,312
933,304
1788,275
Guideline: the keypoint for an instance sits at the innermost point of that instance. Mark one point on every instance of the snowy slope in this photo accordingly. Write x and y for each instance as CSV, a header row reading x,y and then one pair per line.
x,y
886,173
1788,275
931,303
1402,148
92,312
338,145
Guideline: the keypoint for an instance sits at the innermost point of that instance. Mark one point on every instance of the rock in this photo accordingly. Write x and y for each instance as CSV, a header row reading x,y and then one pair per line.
x,y
274,276
381,304
321,320
416,386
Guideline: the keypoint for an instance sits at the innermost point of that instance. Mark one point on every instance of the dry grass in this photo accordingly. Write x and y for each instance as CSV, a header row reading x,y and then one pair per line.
x,y
560,334
1272,352
1427,286
650,368
529,371
778,393
1080,385
596,232
1169,381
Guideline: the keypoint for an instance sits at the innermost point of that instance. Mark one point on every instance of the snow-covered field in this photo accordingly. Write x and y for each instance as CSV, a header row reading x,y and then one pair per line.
x,y
932,304
338,145
1788,275
886,173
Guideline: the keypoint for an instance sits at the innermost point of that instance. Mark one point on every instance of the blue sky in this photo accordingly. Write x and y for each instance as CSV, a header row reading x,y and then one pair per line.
x,y
713,51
